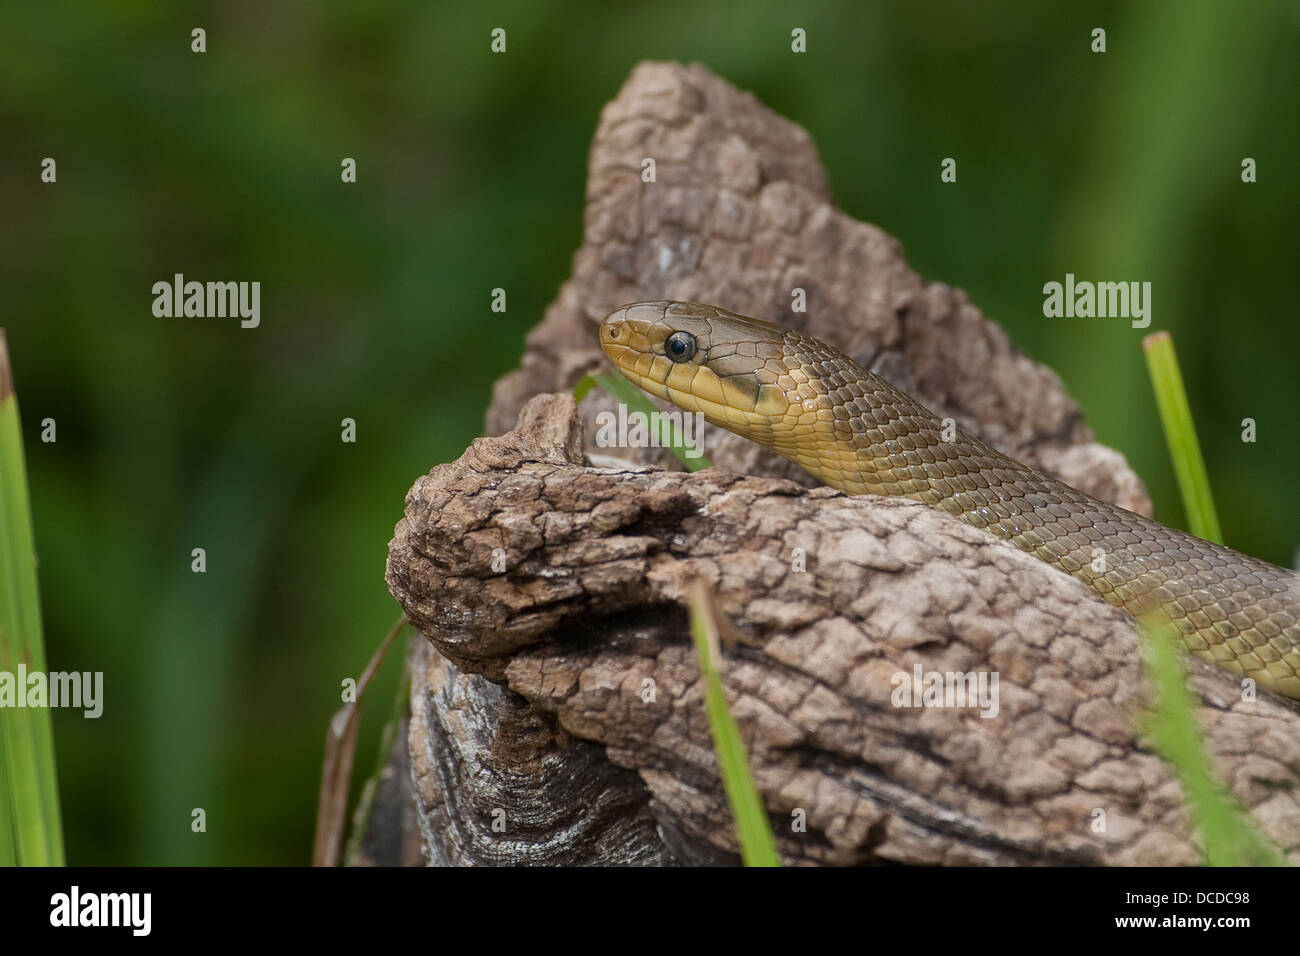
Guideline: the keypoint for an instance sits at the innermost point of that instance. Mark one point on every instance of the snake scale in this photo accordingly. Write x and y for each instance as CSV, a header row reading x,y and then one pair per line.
x,y
854,431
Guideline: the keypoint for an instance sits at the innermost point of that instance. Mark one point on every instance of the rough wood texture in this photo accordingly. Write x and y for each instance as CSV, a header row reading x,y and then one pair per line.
x,y
509,786
534,702
588,614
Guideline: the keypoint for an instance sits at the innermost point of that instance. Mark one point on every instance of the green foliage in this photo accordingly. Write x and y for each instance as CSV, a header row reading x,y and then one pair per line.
x,y
1228,836
1180,435
30,831
753,830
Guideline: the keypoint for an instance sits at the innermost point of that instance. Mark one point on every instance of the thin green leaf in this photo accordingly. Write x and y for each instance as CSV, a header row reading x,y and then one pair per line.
x,y
753,829
34,833
8,848
1180,434
585,385
1229,837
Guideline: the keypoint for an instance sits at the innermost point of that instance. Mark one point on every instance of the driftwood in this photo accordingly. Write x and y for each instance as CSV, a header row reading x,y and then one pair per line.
x,y
557,714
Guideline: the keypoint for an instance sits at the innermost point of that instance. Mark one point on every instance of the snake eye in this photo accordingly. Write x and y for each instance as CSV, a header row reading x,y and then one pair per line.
x,y
680,346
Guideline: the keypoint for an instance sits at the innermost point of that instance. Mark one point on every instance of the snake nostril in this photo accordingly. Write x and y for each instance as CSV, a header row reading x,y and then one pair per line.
x,y
613,332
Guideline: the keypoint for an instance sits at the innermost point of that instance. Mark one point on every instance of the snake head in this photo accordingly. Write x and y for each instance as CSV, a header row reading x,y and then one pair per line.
x,y
704,359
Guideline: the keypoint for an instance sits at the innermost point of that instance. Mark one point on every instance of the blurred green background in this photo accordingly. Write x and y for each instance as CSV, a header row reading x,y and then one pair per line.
x,y
175,433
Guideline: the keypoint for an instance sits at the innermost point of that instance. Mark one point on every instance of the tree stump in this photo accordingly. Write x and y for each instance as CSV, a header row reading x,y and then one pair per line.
x,y
557,713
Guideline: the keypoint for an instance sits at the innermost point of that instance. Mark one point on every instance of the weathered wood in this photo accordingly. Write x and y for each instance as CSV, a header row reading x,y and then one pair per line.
x,y
588,614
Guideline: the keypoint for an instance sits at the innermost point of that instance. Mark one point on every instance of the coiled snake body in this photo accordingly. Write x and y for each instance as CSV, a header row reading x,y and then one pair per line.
x,y
854,431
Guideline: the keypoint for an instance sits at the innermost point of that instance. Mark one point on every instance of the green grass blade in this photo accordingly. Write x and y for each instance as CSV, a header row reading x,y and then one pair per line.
x,y
1228,836
1227,833
8,848
753,829
34,834
636,401
1180,434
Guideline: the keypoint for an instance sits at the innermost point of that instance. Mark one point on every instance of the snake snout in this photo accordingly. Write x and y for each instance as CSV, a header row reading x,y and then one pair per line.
x,y
631,332
612,327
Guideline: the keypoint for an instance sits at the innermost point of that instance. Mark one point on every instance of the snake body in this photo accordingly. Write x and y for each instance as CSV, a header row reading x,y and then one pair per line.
x,y
856,432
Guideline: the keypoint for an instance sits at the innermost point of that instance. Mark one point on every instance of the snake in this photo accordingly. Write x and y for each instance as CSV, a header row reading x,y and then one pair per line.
x,y
852,430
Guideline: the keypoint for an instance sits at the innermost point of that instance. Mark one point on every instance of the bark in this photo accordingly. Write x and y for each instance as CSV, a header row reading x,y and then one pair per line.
x,y
557,712
564,584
